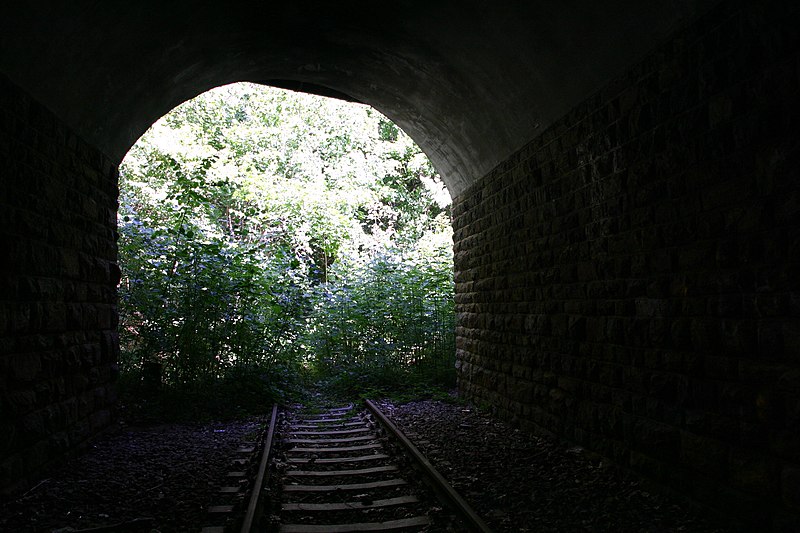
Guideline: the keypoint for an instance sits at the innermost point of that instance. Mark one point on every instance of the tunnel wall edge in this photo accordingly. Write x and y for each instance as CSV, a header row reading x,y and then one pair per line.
x,y
58,277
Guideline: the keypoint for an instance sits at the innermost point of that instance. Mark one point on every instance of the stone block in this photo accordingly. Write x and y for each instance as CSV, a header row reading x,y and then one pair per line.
x,y
100,420
786,522
783,442
770,338
790,486
38,453
20,401
25,367
12,471
54,317
754,473
706,455
9,436
705,334
656,439
646,465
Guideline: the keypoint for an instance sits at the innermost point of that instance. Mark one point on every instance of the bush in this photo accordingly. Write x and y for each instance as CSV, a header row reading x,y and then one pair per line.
x,y
261,248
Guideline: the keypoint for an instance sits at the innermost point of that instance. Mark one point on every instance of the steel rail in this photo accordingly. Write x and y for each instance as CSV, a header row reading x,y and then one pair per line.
x,y
255,497
440,484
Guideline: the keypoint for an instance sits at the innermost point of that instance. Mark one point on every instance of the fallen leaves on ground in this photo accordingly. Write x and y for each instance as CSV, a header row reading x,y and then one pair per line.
x,y
518,482
169,473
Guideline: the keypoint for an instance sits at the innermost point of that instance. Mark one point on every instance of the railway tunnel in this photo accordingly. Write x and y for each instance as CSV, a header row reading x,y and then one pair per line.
x,y
625,188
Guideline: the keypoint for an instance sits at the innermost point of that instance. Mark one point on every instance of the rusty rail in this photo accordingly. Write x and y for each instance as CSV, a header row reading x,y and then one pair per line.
x,y
254,506
439,483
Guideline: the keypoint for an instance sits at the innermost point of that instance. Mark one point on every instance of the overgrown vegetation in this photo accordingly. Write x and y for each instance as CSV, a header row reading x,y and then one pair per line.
x,y
271,241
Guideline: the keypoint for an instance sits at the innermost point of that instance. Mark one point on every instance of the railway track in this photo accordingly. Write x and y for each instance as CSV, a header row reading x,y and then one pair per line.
x,y
349,469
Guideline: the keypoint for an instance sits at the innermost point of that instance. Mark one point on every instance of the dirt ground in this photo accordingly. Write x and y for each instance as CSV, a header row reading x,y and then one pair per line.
x,y
163,478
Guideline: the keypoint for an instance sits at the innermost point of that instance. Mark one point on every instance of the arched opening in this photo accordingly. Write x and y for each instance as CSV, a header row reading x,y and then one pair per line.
x,y
278,239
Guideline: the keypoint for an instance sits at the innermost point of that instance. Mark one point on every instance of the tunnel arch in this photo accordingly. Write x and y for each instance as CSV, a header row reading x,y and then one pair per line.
x,y
465,81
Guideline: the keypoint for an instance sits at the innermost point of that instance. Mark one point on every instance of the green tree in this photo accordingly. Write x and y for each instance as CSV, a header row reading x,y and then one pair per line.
x,y
267,228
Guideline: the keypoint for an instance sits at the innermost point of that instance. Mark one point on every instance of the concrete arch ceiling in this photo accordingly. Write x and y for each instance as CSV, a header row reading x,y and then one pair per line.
x,y
471,81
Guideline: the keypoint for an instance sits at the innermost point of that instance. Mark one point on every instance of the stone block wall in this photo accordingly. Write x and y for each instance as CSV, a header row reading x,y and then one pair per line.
x,y
58,277
629,281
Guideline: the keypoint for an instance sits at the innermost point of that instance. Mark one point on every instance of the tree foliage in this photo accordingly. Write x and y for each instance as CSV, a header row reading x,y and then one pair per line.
x,y
284,232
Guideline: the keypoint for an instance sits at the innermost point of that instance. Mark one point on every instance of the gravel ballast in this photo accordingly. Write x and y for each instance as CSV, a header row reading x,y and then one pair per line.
x,y
160,478
520,483
168,475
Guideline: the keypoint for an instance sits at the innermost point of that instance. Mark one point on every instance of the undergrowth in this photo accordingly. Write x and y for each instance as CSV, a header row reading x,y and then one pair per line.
x,y
242,392
248,390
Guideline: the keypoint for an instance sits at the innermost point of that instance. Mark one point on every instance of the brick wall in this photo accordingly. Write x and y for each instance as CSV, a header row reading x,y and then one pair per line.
x,y
57,289
629,280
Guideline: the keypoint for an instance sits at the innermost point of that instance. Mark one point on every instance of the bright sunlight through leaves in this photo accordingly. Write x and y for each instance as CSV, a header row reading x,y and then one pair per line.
x,y
284,235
